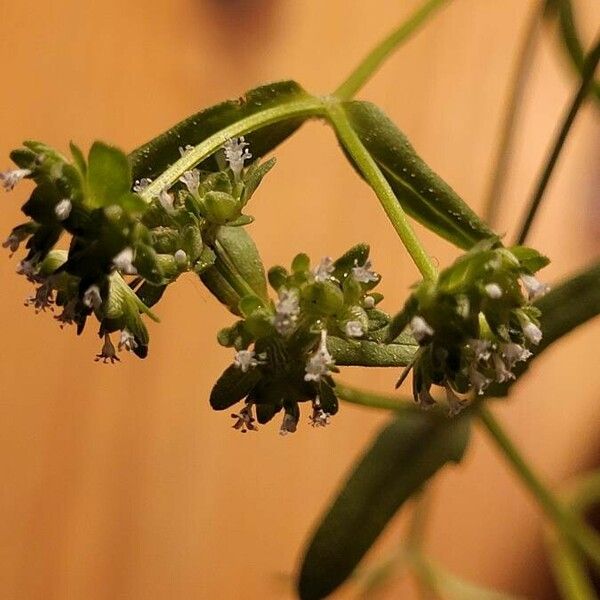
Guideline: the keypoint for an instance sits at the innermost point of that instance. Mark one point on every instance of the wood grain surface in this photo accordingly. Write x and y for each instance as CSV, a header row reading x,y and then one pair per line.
x,y
119,481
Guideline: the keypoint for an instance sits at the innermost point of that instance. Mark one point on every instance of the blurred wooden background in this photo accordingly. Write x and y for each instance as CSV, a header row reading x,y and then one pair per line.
x,y
120,482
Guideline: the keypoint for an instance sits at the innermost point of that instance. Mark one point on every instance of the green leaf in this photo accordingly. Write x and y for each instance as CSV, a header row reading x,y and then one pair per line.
x,y
233,386
422,193
154,157
372,354
238,269
109,174
565,307
529,258
405,454
254,175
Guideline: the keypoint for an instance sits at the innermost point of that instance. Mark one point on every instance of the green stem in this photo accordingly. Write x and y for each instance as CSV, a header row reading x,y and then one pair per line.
x,y
517,87
569,525
373,175
310,106
587,77
370,399
371,63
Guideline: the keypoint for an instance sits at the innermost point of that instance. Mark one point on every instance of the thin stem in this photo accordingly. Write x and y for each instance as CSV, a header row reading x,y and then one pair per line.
x,y
520,76
567,523
371,172
370,399
310,106
371,63
587,77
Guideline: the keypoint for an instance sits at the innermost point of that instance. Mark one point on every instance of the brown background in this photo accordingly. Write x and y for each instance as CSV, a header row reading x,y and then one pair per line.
x,y
119,482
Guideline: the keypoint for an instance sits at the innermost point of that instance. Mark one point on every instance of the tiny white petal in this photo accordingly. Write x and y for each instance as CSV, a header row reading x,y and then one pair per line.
x,y
324,269
493,290
420,328
369,302
92,298
245,360
364,273
124,261
533,333
9,179
354,329
236,152
534,287
62,210
127,341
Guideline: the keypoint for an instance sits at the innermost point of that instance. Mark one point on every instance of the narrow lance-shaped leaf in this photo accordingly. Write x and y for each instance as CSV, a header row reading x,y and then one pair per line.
x,y
405,454
363,353
155,156
422,193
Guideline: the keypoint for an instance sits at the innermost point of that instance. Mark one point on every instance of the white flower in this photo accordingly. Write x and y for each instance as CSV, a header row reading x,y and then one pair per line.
x,y
288,425
502,372
324,269
463,306
244,420
478,380
181,258
364,274
513,353
319,417
127,341
534,287
92,298
246,360
369,302
141,184
532,332
62,210
420,328
493,290
236,153
320,363
286,311
124,261
166,200
481,349
191,180
9,179
354,329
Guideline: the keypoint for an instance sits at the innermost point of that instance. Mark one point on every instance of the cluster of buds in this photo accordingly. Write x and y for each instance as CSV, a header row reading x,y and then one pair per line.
x,y
282,356
474,323
123,250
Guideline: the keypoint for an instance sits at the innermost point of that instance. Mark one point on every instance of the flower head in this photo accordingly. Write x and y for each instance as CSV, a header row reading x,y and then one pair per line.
x,y
286,311
493,290
319,417
141,184
513,353
481,349
191,180
166,200
181,258
108,352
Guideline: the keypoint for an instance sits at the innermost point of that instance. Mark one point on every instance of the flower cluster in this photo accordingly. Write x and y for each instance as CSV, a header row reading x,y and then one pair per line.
x,y
282,355
474,323
123,250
